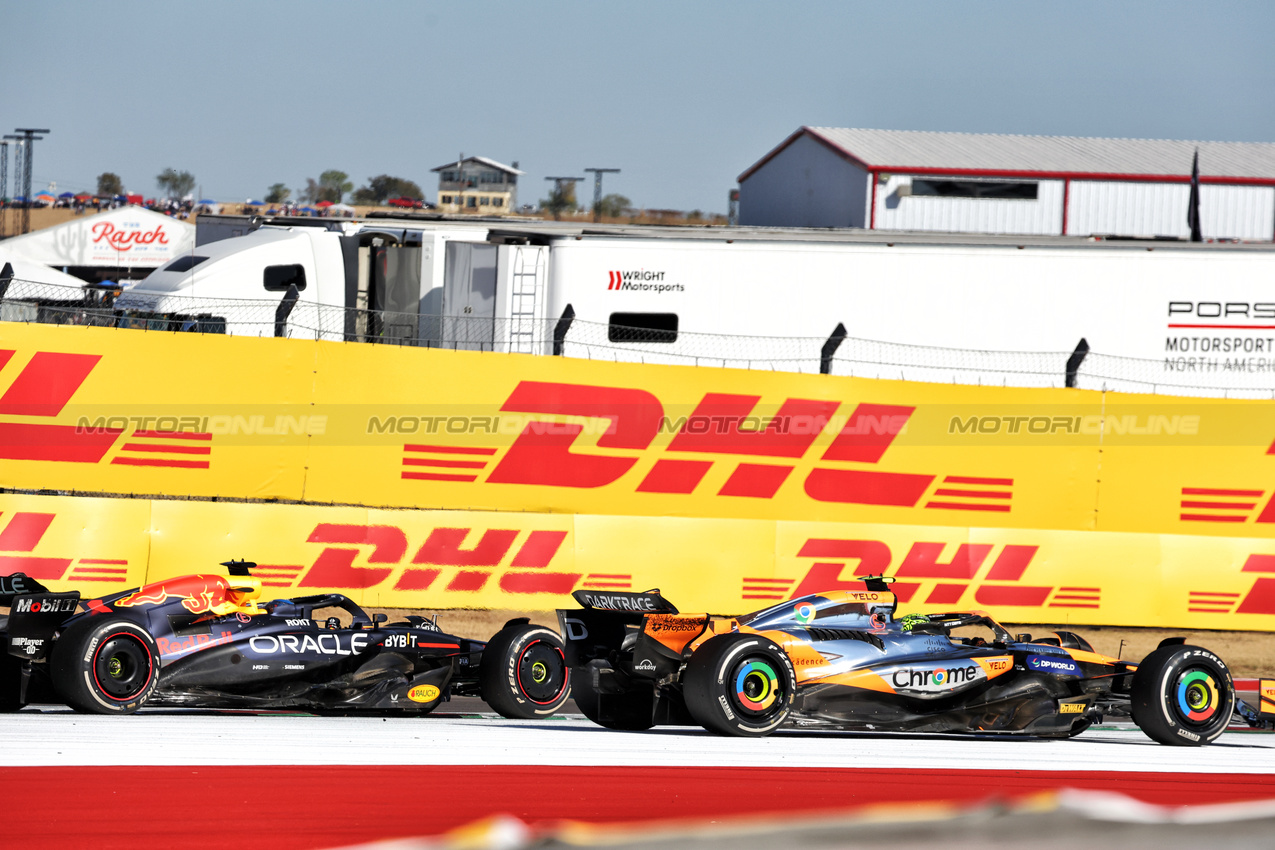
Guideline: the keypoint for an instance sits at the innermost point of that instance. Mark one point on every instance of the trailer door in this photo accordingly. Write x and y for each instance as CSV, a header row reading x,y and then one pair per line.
x,y
469,296
395,294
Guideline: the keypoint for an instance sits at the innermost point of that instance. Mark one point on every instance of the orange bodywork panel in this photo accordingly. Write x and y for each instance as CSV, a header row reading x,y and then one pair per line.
x,y
1096,658
678,631
996,665
1267,689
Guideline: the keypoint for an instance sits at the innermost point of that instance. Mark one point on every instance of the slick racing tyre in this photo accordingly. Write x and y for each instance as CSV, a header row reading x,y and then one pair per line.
x,y
631,711
739,684
524,673
105,666
1182,696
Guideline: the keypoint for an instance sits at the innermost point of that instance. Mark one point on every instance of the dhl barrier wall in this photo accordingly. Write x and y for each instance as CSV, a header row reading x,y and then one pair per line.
x,y
526,477
530,560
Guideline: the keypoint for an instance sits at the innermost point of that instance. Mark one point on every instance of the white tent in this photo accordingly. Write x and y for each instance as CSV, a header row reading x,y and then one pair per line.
x,y
128,237
28,277
29,271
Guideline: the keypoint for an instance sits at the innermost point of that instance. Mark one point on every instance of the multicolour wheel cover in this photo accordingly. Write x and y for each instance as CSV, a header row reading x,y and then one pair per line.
x,y
757,685
1198,697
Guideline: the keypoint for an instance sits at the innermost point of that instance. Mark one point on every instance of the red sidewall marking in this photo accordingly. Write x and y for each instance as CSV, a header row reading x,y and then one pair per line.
x,y
565,679
152,806
150,666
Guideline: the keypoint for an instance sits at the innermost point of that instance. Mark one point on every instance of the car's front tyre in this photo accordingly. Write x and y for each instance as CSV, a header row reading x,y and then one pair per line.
x,y
1182,696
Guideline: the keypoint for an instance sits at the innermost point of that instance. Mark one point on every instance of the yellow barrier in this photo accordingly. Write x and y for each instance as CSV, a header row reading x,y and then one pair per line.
x,y
131,412
106,410
480,559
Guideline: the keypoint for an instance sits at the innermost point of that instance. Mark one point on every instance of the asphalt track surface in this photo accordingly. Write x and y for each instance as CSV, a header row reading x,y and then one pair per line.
x,y
162,777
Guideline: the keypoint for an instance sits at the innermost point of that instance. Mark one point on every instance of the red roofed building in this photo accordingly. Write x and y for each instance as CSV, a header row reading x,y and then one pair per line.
x,y
985,183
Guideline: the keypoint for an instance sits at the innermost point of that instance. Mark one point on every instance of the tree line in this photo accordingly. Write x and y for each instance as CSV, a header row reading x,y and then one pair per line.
x,y
334,185
331,186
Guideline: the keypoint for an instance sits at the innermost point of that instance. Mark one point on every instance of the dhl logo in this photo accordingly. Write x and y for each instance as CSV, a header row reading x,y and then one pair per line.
x,y
1260,598
22,534
544,454
923,576
521,561
39,393
1226,504
449,559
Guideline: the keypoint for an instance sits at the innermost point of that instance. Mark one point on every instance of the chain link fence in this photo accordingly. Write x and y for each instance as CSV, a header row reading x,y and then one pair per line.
x,y
27,301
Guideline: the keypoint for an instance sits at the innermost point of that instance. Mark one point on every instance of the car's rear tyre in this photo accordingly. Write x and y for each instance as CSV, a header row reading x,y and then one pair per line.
x,y
105,666
524,672
631,711
739,684
1182,696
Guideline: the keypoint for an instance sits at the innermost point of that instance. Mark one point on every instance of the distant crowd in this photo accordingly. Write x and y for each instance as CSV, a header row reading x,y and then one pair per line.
x,y
85,202
182,209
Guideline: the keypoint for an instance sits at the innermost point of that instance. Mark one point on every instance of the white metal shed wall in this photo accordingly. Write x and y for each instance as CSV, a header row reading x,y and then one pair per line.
x,y
1042,216
805,185
1159,209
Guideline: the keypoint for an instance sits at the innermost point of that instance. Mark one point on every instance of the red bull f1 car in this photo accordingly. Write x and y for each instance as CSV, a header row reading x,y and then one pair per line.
x,y
204,641
842,660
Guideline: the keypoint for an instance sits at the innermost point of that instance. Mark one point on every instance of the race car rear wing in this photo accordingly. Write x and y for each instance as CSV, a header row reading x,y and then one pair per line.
x,y
14,585
603,621
34,617
648,602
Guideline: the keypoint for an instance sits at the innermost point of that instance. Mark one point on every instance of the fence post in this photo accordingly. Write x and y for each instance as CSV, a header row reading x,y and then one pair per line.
x,y
6,278
1073,362
284,310
560,330
830,348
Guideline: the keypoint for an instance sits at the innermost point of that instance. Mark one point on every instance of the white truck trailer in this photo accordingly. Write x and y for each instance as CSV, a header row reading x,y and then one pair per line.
x,y
1193,314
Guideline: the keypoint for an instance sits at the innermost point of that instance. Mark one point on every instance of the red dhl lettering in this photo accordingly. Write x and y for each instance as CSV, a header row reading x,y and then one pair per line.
x,y
526,572
43,388
922,561
542,453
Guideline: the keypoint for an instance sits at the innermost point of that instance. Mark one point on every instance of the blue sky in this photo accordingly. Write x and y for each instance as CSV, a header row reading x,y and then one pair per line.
x,y
682,96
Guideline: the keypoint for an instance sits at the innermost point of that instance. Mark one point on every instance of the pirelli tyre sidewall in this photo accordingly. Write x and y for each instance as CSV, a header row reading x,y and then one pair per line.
x,y
739,684
524,672
105,665
1182,696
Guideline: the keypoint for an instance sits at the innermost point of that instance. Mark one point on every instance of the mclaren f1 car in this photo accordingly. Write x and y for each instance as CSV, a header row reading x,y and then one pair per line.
x,y
205,641
843,660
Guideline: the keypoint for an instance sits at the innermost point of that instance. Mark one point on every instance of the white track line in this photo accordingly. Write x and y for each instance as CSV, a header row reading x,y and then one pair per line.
x,y
59,738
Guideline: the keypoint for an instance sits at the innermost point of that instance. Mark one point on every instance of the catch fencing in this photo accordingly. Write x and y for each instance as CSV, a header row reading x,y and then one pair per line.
x,y
839,354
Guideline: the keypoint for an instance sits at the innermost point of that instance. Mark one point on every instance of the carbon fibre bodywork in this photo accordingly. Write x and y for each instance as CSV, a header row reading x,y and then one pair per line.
x,y
202,641
839,660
